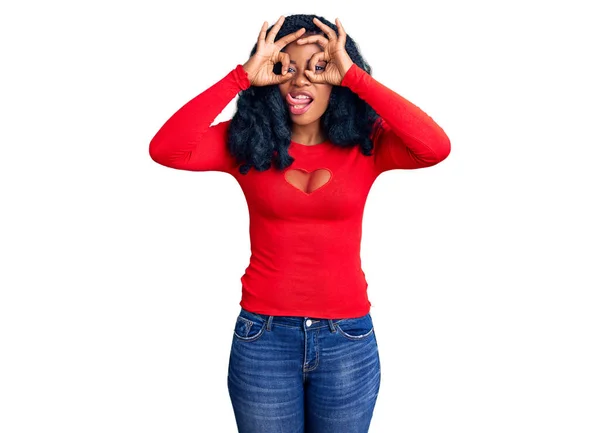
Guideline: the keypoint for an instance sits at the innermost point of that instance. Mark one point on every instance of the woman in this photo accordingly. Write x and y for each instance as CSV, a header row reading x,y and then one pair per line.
x,y
304,356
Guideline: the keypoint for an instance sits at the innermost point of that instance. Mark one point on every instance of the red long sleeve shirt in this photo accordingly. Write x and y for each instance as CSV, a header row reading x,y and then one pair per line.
x,y
305,221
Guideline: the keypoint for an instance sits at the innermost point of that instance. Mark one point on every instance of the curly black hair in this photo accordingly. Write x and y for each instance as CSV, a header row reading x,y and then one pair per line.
x,y
260,130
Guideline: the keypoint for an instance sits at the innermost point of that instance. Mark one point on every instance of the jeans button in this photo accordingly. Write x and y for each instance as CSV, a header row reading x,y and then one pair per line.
x,y
308,322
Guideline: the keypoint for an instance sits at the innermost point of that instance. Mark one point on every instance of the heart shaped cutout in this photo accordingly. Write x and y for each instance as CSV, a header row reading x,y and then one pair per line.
x,y
308,181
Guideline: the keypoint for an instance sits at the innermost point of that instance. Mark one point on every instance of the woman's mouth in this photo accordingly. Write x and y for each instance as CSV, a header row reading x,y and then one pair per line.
x,y
299,104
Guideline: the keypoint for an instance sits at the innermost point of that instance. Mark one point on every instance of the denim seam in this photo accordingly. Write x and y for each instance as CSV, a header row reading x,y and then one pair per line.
x,y
253,338
249,324
355,337
316,339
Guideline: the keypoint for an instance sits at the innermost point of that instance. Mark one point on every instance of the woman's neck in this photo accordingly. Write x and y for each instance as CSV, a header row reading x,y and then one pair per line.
x,y
308,134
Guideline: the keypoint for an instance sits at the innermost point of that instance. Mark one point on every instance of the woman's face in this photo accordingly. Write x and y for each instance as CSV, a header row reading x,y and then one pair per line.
x,y
306,111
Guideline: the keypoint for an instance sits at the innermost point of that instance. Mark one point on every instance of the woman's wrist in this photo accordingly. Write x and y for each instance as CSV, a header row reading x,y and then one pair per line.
x,y
249,69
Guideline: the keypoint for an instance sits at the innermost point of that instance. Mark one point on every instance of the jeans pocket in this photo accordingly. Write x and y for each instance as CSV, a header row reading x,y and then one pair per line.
x,y
247,329
359,328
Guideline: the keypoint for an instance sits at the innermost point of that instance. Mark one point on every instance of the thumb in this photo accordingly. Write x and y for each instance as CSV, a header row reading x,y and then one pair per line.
x,y
283,78
314,78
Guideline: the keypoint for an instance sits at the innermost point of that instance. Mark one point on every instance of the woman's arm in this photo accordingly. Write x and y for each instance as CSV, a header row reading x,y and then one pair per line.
x,y
408,138
187,141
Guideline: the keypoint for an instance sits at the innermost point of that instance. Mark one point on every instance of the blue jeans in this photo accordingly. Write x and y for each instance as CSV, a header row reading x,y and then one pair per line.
x,y
291,374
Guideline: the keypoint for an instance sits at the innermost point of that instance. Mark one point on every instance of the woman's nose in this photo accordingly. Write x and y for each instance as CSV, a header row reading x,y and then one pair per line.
x,y
300,78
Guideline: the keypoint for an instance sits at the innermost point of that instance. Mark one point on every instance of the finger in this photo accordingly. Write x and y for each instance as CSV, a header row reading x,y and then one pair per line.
x,y
289,38
284,58
316,58
319,39
271,36
283,78
262,35
310,72
314,78
328,30
341,31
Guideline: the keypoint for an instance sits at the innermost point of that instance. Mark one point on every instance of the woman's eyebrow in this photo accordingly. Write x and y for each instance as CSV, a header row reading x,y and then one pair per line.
x,y
307,62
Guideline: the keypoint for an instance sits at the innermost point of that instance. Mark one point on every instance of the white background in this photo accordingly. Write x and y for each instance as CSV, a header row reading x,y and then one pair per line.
x,y
120,278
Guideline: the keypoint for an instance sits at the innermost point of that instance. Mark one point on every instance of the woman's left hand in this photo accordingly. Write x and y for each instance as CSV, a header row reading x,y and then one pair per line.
x,y
334,53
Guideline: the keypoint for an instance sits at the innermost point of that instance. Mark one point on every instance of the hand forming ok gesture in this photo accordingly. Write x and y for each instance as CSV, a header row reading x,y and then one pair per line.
x,y
268,52
334,53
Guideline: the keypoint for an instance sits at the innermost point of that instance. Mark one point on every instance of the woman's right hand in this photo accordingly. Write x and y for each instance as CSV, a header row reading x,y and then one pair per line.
x,y
268,52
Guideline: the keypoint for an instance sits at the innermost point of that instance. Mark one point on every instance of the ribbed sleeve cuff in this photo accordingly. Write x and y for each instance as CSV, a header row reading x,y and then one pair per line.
x,y
241,77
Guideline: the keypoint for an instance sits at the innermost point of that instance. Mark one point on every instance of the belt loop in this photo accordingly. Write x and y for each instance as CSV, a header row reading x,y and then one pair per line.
x,y
331,325
269,321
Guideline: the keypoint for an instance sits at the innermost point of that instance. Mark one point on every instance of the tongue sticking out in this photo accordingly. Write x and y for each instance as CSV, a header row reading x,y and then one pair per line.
x,y
300,101
300,108
299,104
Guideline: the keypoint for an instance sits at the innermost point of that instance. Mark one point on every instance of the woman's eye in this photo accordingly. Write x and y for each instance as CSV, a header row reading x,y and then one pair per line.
x,y
317,69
